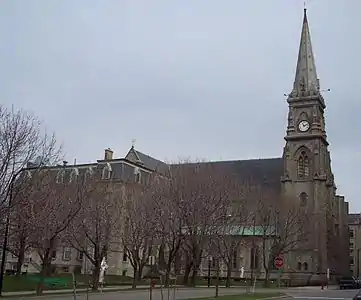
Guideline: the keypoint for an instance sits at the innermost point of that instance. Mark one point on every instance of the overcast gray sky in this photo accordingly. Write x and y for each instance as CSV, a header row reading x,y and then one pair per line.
x,y
199,78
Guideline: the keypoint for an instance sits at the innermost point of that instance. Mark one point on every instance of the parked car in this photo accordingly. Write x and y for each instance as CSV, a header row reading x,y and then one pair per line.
x,y
349,282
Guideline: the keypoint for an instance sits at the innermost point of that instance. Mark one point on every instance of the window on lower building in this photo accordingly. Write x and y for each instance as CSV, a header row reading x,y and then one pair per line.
x,y
351,245
299,266
234,259
351,260
66,253
305,266
80,255
351,233
53,254
254,258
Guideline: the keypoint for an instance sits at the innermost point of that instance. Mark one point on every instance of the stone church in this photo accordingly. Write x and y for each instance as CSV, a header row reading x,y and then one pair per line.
x,y
303,172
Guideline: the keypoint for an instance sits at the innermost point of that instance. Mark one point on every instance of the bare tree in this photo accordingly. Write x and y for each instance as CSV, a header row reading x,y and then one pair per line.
x,y
209,191
20,230
23,142
96,230
233,233
168,223
51,206
140,228
191,200
282,226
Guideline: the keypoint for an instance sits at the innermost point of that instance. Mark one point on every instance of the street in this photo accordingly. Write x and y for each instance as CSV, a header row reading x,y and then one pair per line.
x,y
315,293
311,293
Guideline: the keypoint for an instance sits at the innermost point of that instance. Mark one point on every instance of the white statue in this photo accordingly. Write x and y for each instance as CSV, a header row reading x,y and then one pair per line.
x,y
242,272
103,267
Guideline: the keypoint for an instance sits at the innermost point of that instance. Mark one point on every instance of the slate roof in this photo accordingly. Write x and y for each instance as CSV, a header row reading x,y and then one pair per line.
x,y
149,162
263,172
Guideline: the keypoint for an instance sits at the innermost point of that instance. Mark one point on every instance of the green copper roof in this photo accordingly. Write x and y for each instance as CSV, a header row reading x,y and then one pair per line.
x,y
237,230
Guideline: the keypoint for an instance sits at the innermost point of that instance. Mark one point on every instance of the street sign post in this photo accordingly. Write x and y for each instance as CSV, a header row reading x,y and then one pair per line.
x,y
278,262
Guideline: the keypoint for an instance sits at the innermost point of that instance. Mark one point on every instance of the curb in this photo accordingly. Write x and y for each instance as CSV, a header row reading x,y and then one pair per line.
x,y
276,297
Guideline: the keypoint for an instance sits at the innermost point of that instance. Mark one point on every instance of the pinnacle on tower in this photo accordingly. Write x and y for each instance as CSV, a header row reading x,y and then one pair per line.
x,y
306,81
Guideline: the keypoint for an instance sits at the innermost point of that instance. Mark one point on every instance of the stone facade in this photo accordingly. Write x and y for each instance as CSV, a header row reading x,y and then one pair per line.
x,y
302,174
354,226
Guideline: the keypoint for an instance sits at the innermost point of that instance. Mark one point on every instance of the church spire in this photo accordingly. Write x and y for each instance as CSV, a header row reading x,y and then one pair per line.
x,y
306,81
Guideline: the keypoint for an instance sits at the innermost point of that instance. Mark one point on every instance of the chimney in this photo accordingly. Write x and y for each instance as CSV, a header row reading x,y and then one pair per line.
x,y
65,163
108,154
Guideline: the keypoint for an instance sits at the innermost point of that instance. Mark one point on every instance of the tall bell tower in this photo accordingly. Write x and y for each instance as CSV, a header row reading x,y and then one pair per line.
x,y
307,177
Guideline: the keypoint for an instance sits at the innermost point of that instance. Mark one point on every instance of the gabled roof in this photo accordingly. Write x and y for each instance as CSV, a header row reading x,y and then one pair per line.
x,y
136,156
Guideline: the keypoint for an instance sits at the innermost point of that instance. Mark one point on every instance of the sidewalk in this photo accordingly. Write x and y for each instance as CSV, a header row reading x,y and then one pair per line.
x,y
69,291
105,289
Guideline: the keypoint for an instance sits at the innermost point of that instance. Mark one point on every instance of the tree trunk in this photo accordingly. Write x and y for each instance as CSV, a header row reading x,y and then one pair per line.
x,y
194,274
187,271
197,254
135,277
167,274
95,276
140,272
229,274
21,256
44,272
20,260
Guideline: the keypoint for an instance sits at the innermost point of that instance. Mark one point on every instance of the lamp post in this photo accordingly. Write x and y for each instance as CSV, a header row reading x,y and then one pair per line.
x,y
209,270
6,233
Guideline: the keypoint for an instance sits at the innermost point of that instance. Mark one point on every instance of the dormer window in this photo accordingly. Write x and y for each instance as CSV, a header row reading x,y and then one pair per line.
x,y
74,174
137,174
88,173
107,171
60,176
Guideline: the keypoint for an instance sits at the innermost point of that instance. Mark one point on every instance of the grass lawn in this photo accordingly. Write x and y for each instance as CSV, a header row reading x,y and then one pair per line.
x,y
27,283
254,296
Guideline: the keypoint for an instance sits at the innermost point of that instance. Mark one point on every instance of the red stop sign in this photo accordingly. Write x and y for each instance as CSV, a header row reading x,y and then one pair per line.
x,y
279,262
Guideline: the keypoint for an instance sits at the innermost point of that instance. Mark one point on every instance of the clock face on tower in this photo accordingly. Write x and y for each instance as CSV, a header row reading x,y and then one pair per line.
x,y
303,126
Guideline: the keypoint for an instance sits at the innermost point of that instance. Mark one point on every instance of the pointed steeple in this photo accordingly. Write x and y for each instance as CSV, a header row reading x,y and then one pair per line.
x,y
306,81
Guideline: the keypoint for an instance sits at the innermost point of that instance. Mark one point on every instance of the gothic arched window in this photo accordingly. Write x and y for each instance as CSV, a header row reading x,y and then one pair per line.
x,y
305,266
303,199
303,165
299,266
